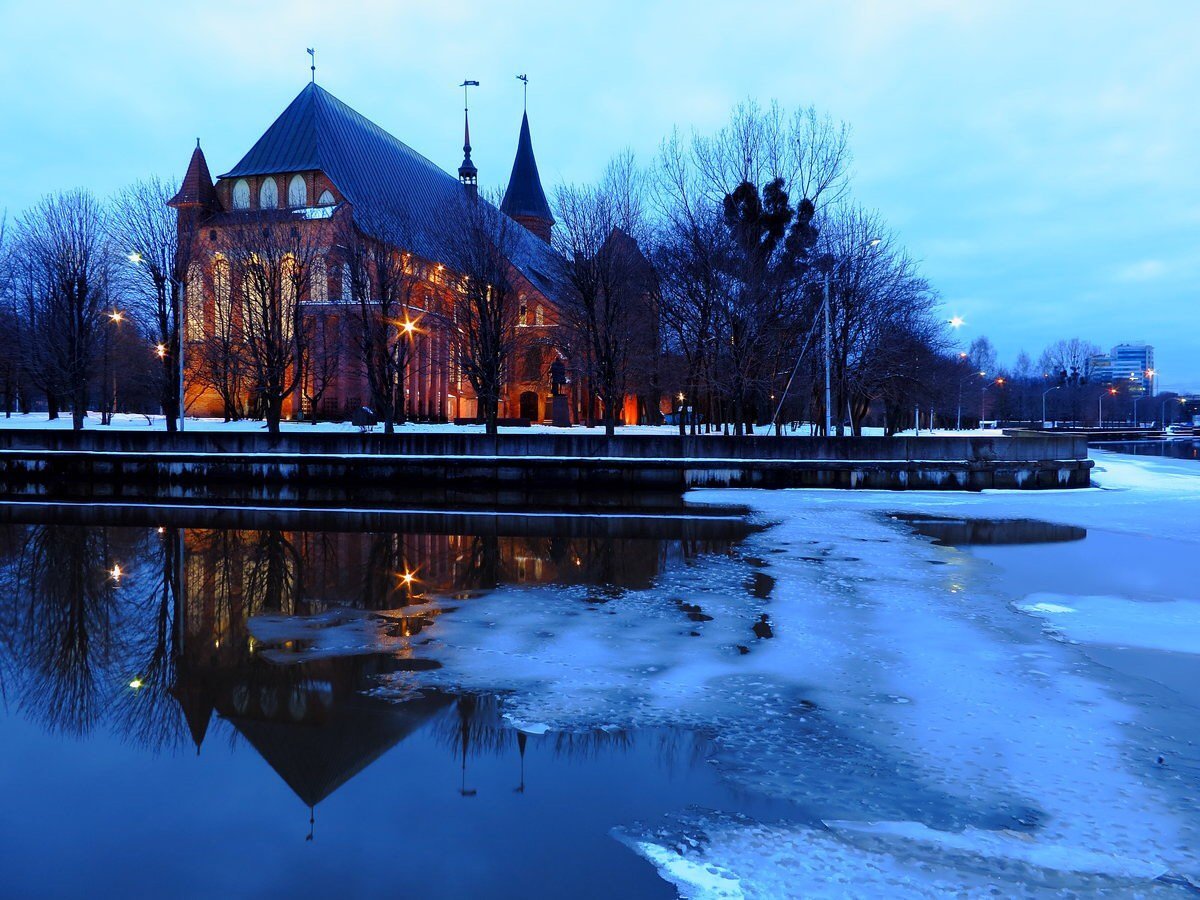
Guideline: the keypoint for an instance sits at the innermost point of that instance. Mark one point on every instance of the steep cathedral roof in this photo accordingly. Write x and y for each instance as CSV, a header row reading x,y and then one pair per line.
x,y
376,172
525,196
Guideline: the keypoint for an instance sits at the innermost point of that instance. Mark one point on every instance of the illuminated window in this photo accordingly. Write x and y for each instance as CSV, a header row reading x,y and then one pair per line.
x,y
326,199
297,191
268,195
539,317
194,320
222,296
523,315
241,194
318,283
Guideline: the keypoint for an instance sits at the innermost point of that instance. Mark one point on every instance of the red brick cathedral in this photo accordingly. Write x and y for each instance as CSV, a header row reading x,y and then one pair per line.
x,y
319,163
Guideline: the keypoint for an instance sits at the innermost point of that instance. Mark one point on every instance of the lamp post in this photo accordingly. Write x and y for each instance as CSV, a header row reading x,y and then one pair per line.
x,y
1044,393
830,269
983,398
961,382
180,288
110,374
1112,392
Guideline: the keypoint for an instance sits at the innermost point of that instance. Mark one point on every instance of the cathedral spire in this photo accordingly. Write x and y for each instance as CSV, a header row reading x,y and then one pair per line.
x,y
197,191
467,173
525,200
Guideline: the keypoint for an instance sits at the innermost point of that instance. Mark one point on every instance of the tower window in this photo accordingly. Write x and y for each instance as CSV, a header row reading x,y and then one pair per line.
x,y
268,194
539,317
326,199
241,194
297,192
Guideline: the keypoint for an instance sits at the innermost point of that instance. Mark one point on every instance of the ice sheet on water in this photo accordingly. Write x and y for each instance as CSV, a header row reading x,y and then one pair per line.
x,y
1173,626
713,856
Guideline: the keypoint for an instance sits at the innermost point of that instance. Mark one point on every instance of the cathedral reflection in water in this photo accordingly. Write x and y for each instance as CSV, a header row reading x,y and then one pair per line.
x,y
159,633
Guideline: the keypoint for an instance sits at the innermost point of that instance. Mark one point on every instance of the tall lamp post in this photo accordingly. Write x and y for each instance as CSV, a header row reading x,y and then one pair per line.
x,y
961,382
983,398
1044,393
830,268
180,288
1112,392
116,317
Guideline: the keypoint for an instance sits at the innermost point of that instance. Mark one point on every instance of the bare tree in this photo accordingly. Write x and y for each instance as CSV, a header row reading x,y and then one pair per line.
x,y
610,284
64,272
479,241
383,281
159,242
274,254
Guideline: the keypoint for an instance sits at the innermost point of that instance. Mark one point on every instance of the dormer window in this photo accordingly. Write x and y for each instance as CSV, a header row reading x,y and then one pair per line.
x,y
326,199
241,194
297,192
268,195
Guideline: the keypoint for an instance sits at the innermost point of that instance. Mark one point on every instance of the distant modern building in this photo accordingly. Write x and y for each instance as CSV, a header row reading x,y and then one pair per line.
x,y
1134,364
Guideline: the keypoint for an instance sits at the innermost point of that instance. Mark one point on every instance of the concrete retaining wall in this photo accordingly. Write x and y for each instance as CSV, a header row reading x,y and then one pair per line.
x,y
205,460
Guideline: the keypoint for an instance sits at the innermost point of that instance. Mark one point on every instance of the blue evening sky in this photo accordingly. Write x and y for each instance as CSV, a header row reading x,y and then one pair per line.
x,y
1040,158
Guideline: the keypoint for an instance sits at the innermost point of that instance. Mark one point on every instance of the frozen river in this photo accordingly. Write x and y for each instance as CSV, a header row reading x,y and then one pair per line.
x,y
864,694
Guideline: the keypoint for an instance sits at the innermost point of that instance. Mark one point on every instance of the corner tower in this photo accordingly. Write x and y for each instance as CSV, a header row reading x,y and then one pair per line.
x,y
525,200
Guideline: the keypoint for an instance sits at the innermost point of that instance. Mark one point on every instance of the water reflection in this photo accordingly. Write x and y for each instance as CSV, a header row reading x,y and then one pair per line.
x,y
956,532
159,633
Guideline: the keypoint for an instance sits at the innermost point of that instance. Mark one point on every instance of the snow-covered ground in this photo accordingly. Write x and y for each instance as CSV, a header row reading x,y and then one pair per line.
x,y
936,730
130,422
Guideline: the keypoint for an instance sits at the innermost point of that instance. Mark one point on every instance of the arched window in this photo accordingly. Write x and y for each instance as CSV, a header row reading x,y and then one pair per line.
x,y
194,318
347,284
268,194
539,317
326,199
318,282
523,314
222,297
241,194
288,294
297,192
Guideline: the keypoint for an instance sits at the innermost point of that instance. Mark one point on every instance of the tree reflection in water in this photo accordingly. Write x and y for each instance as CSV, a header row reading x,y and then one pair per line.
x,y
155,651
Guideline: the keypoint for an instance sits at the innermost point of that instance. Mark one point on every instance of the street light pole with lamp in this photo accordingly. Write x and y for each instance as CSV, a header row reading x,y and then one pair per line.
x,y
115,318
983,397
961,382
180,289
829,269
1044,393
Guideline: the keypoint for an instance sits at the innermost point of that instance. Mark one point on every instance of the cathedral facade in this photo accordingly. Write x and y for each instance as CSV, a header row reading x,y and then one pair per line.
x,y
320,169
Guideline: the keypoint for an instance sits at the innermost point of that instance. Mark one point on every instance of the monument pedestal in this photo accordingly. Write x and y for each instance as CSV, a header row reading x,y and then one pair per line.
x,y
560,412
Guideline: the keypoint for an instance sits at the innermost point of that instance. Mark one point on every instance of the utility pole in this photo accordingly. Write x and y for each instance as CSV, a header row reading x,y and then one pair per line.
x,y
828,362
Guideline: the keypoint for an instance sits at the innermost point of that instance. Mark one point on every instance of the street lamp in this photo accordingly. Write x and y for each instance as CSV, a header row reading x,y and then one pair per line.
x,y
1044,393
1112,392
961,382
115,318
180,289
830,269
983,397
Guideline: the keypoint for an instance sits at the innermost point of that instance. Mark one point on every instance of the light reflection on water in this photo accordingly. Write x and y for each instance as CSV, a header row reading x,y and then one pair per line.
x,y
139,669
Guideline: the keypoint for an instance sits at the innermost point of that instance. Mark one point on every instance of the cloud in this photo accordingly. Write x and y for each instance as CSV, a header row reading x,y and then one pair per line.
x,y
1144,270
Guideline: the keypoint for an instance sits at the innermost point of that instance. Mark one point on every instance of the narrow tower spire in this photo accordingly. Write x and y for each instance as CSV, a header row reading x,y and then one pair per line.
x,y
467,173
313,64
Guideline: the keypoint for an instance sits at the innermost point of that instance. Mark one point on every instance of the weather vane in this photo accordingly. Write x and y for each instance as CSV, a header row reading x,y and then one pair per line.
x,y
467,84
313,68
524,79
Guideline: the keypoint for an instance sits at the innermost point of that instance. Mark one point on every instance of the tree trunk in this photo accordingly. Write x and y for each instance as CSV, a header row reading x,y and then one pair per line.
x,y
274,414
